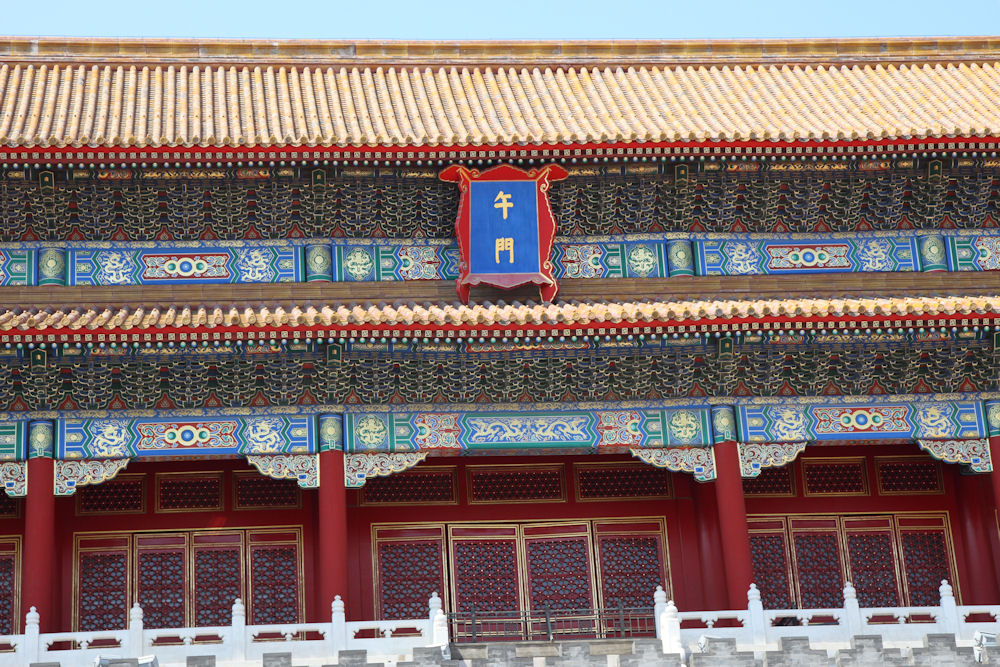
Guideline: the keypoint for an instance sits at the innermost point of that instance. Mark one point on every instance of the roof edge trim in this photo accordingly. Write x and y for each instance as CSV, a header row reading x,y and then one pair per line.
x,y
500,53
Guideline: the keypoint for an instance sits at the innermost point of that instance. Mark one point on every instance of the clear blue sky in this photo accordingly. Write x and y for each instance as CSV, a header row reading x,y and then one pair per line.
x,y
504,19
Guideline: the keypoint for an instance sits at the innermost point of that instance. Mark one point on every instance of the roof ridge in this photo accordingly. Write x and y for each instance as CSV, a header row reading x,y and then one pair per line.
x,y
374,53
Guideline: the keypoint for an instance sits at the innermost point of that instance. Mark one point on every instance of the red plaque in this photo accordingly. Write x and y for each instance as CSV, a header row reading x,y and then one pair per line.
x,y
505,227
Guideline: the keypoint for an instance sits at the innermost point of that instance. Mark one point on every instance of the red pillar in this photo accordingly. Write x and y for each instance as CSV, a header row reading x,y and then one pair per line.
x,y
975,513
995,482
38,558
733,523
710,546
332,565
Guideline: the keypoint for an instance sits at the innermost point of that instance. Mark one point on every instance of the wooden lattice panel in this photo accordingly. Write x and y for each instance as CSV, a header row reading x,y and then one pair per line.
x,y
772,563
631,556
188,492
125,494
252,491
771,482
908,475
516,484
161,578
621,481
835,477
102,579
409,566
433,485
275,576
10,579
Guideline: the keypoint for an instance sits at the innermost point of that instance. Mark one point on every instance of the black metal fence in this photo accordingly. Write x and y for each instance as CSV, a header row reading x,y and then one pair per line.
x,y
551,624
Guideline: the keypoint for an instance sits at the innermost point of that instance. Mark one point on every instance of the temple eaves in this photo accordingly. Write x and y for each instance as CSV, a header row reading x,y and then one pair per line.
x,y
151,94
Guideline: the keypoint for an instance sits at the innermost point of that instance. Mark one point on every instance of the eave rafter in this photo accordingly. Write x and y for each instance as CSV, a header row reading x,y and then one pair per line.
x,y
199,323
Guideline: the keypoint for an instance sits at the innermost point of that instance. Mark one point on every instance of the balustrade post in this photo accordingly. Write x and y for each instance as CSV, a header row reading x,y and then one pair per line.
x,y
433,607
659,605
135,627
755,612
853,620
439,622
31,647
669,629
338,621
948,619
239,638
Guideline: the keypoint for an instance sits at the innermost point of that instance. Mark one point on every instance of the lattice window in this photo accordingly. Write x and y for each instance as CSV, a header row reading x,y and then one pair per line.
x,y
255,491
10,508
621,481
486,575
514,484
10,566
408,572
771,570
559,573
161,587
925,555
125,494
424,486
771,482
187,578
103,591
631,569
186,492
873,568
908,476
274,581
218,578
845,477
818,568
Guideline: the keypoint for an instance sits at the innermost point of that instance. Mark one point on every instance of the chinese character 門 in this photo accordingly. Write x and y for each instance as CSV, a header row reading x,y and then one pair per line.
x,y
504,245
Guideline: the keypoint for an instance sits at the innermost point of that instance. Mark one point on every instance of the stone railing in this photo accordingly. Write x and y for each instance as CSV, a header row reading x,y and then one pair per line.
x,y
312,644
759,630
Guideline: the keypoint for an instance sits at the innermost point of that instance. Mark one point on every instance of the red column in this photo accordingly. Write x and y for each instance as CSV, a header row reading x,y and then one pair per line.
x,y
38,557
733,523
332,565
975,513
710,546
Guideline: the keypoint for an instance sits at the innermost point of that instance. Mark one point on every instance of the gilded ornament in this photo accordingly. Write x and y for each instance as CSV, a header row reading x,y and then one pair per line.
x,y
359,467
301,467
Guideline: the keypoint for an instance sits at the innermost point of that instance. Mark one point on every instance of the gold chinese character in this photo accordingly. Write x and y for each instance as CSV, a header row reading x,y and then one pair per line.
x,y
504,245
503,202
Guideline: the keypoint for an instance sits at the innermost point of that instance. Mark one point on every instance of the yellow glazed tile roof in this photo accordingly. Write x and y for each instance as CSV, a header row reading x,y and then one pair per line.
x,y
105,97
487,314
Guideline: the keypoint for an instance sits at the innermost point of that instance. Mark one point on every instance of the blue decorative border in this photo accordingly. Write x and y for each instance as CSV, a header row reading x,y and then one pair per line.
x,y
555,428
383,260
112,438
600,430
890,420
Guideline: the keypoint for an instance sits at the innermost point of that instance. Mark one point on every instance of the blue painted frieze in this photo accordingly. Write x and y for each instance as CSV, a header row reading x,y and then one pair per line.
x,y
110,438
903,420
241,264
602,430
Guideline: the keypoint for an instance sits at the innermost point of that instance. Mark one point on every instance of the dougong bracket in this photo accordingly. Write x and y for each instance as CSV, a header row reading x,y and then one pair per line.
x,y
70,475
974,453
301,467
14,477
359,467
754,457
699,461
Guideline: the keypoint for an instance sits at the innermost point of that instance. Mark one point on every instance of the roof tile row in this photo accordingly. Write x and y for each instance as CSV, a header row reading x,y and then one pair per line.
x,y
126,106
501,314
